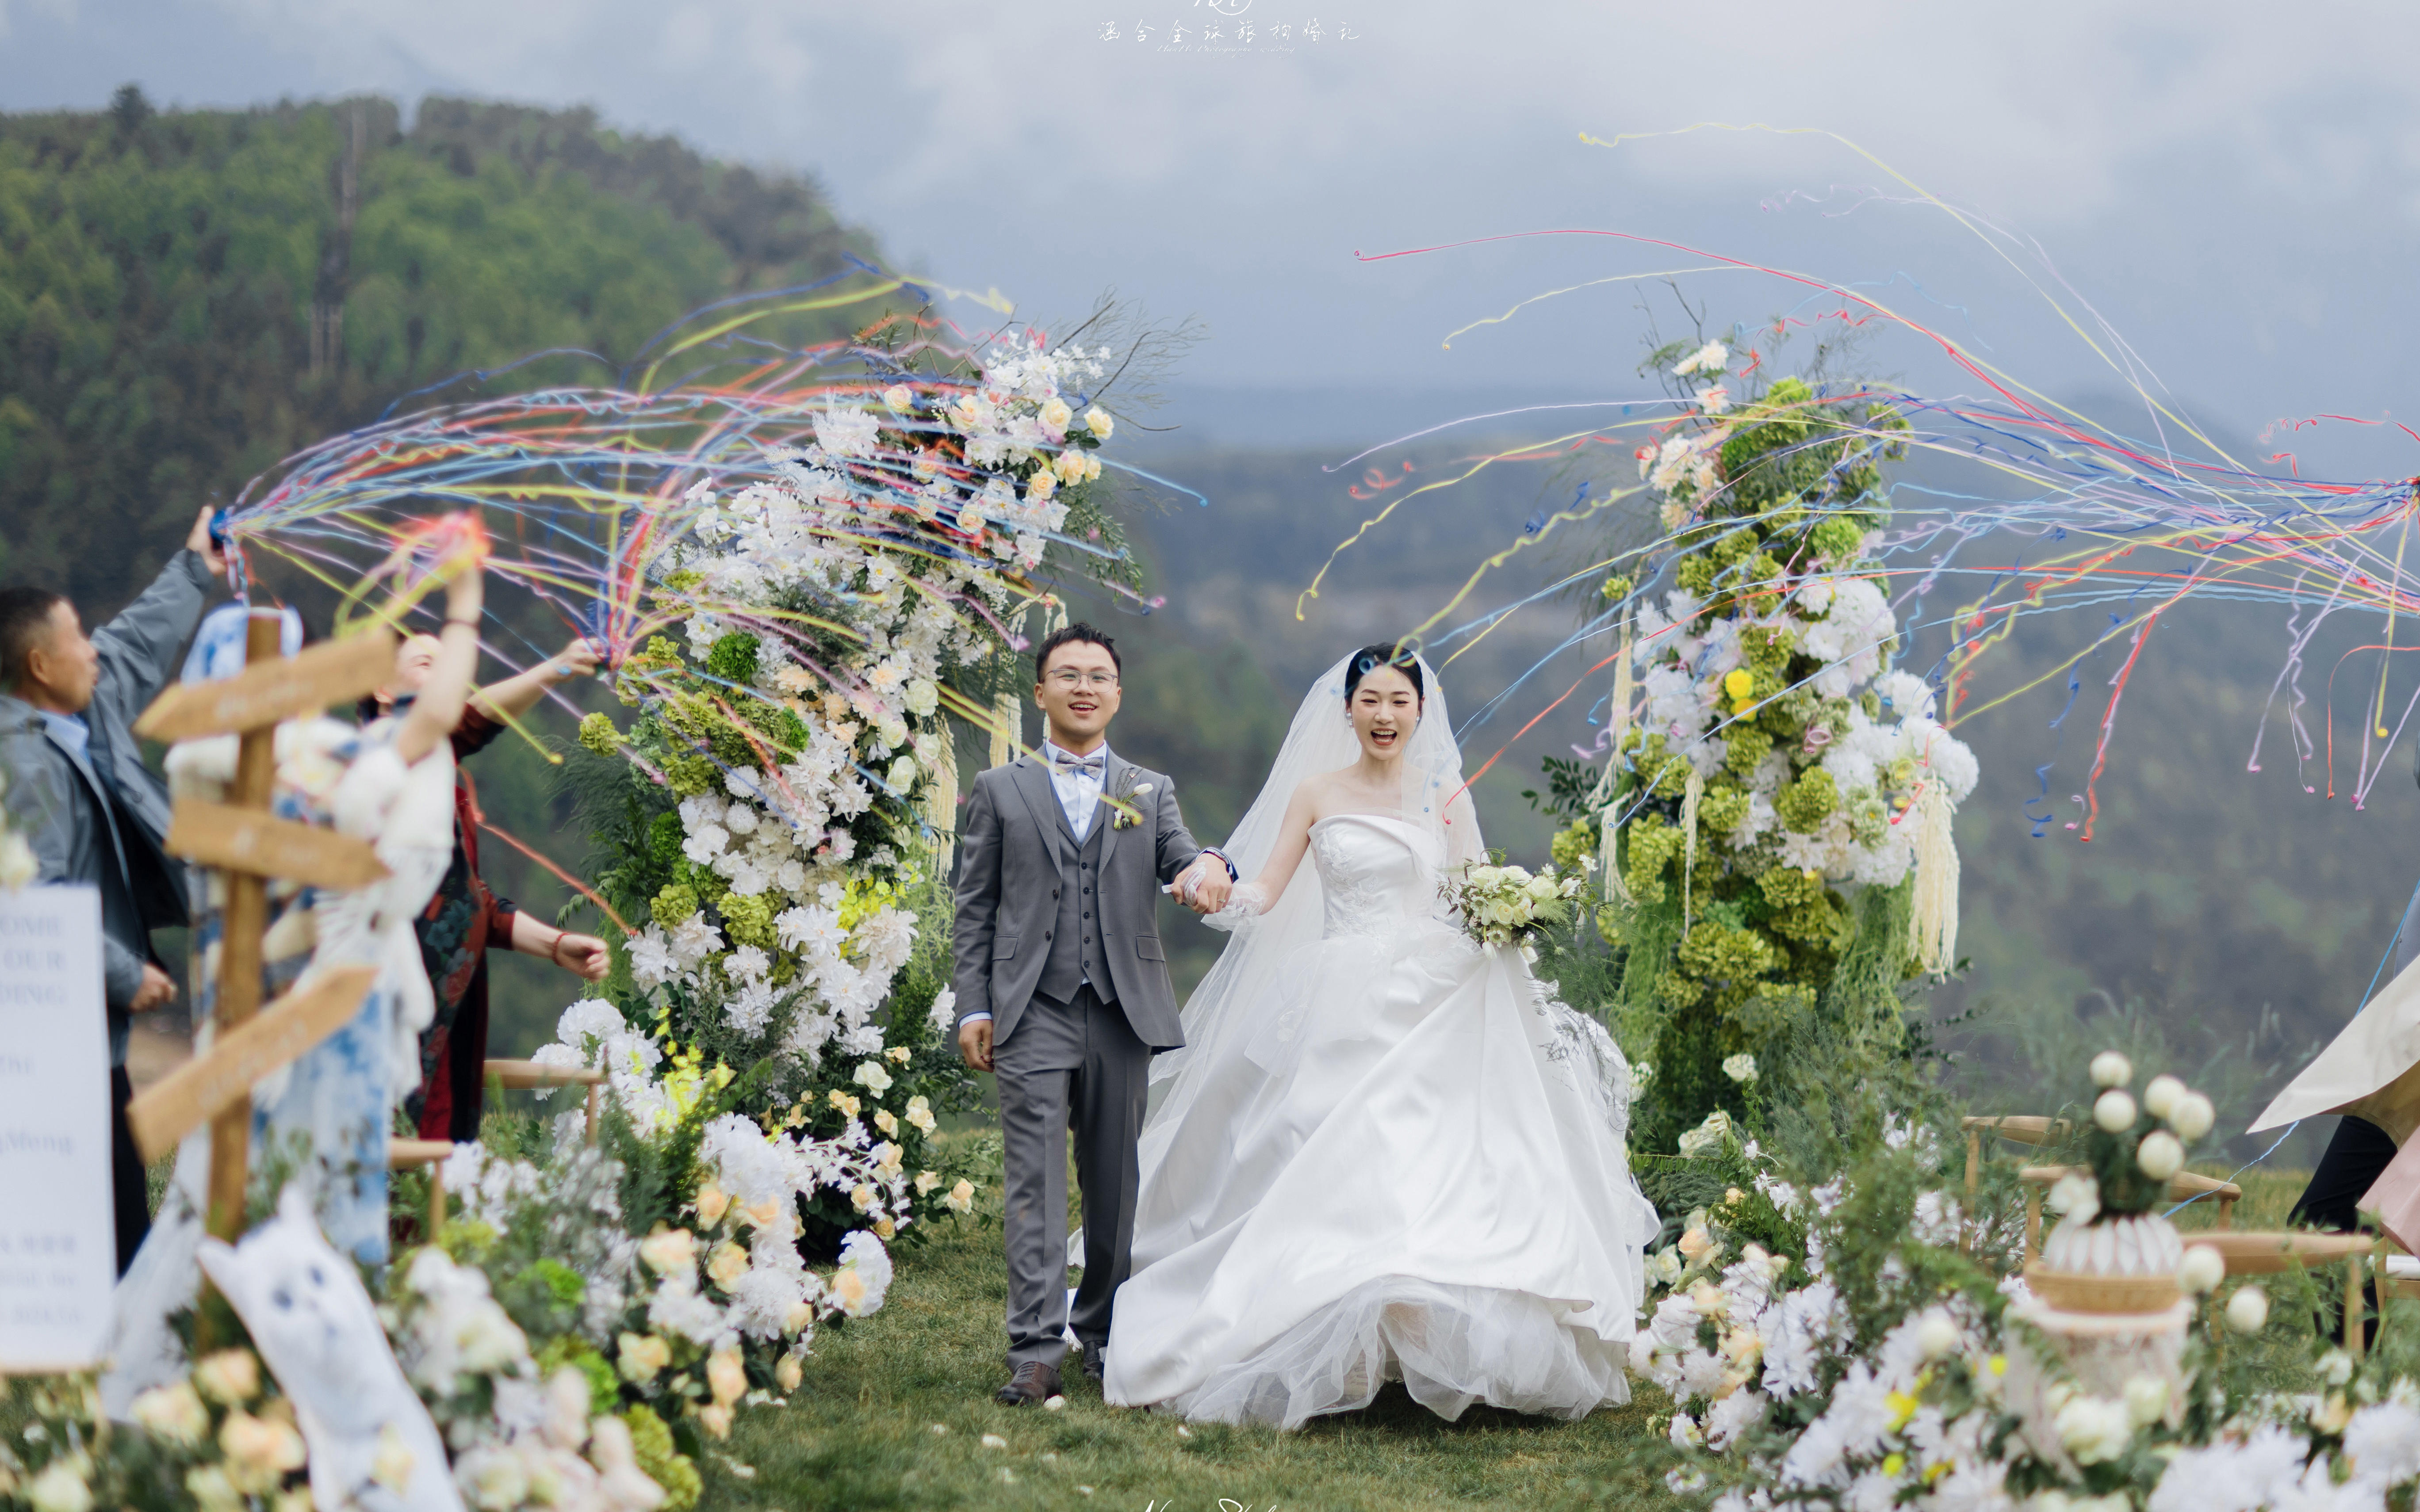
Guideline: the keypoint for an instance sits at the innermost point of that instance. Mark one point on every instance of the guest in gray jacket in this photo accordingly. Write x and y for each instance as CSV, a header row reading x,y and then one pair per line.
x,y
78,789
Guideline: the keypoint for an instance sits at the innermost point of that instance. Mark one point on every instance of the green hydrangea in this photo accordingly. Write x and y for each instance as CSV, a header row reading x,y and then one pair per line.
x,y
1836,538
673,905
748,920
1721,810
734,659
1573,845
1807,802
597,733
1716,952
1650,845
651,1443
570,1350
688,775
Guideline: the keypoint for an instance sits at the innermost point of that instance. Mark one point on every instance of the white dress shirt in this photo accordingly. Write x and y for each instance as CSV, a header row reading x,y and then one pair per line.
x,y
1080,792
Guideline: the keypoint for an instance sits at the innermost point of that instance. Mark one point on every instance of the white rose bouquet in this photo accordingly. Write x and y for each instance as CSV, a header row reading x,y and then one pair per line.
x,y
1510,905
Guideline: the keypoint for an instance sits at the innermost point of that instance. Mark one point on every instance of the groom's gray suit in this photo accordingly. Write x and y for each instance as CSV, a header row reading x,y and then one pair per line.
x,y
1058,940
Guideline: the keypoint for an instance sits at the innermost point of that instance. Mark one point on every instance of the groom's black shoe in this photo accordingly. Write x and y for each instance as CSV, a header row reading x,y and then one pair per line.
x,y
1097,1363
1032,1382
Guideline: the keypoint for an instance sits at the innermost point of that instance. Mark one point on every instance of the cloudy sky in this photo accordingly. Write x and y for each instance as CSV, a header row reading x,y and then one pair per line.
x,y
2229,189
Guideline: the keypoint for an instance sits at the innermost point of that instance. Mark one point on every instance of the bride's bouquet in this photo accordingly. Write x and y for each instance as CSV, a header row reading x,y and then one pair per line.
x,y
1500,904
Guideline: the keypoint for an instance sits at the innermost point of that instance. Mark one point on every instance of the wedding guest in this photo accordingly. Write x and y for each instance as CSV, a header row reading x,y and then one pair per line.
x,y
94,815
466,918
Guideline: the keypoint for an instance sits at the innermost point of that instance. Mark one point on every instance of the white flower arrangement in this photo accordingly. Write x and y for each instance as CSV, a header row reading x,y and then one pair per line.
x,y
802,723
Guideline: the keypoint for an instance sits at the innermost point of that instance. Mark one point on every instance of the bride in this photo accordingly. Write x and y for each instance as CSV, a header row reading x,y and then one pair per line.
x,y
1383,1155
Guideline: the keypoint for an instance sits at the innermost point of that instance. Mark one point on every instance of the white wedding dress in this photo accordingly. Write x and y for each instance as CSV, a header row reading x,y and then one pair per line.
x,y
1385,1154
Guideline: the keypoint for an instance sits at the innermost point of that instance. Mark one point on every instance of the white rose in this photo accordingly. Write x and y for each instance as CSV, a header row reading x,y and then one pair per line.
x,y
2076,1196
2114,1110
1055,416
1936,1335
2110,1069
2093,1429
59,1489
1097,421
2160,1094
669,1252
902,775
900,397
2159,1155
2147,1397
2191,1115
873,1077
2202,1269
2247,1311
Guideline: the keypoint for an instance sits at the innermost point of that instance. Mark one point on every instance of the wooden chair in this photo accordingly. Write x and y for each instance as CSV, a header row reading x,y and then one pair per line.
x,y
524,1075
2181,1187
2269,1253
514,1075
428,1154
2019,1128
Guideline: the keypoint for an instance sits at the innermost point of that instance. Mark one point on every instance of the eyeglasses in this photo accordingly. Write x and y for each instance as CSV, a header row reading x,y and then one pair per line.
x,y
1071,680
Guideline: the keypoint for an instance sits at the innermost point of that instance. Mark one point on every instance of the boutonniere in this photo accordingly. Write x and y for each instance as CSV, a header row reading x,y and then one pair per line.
x,y
1125,810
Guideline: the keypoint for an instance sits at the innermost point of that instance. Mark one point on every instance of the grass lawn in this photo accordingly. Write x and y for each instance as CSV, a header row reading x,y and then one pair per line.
x,y
895,1408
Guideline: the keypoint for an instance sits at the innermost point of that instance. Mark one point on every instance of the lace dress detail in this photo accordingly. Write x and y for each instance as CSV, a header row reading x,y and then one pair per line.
x,y
1373,881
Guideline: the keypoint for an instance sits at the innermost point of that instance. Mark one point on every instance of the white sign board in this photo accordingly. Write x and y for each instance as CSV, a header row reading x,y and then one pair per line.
x,y
59,1249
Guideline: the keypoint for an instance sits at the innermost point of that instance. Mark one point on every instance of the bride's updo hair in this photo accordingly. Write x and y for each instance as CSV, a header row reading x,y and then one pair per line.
x,y
1370,659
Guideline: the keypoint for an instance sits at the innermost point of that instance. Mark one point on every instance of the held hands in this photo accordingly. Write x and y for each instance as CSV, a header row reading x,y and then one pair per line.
x,y
1203,886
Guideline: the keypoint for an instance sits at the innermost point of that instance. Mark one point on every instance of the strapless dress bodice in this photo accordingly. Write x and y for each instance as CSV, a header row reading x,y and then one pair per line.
x,y
1377,874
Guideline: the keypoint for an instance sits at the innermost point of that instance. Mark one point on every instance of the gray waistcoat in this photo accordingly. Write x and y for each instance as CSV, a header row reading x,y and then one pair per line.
x,y
1075,949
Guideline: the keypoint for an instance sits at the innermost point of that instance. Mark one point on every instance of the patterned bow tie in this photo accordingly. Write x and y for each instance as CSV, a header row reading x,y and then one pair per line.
x,y
1067,765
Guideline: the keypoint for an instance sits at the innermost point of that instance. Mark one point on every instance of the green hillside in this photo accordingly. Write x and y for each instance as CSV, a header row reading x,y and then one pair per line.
x,y
187,297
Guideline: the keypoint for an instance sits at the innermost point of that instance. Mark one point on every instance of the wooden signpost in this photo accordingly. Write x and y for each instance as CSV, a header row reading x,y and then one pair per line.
x,y
243,839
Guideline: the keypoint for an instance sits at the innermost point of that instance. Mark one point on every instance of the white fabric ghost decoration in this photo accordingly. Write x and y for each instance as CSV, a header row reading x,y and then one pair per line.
x,y
313,1323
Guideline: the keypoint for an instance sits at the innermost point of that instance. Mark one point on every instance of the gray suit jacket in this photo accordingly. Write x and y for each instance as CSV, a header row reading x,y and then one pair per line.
x,y
1015,848
56,797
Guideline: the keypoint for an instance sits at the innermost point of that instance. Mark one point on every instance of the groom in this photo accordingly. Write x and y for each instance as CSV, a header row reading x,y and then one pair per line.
x,y
1063,991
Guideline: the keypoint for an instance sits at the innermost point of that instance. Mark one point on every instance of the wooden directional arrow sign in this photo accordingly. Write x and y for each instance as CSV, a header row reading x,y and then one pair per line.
x,y
256,844
211,1083
274,688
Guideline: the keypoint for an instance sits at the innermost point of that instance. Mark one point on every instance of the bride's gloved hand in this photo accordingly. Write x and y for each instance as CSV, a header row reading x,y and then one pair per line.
x,y
1245,905
1202,887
